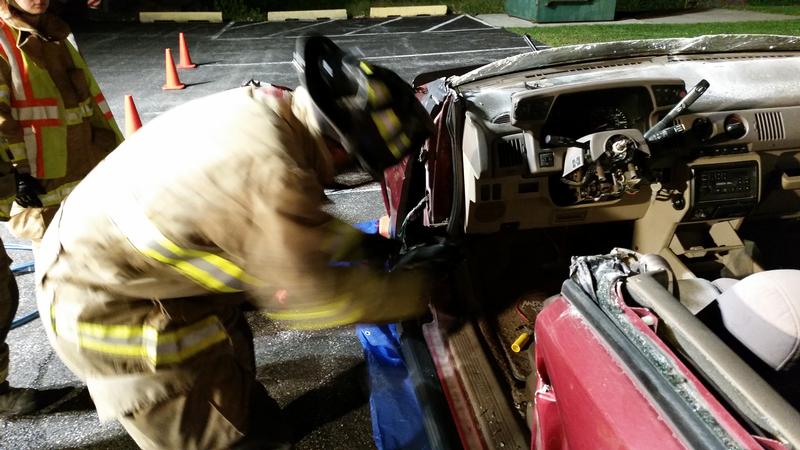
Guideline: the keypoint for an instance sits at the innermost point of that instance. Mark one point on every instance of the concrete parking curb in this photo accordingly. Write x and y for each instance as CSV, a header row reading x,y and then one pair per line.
x,y
316,14
406,11
180,16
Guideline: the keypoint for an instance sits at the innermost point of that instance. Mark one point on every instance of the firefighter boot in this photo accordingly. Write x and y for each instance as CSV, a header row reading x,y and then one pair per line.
x,y
16,401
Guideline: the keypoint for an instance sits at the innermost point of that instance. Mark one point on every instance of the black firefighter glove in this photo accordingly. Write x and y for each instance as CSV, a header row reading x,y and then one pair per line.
x,y
378,250
435,259
28,191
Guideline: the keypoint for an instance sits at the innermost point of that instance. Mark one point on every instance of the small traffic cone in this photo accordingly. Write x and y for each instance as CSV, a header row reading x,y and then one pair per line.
x,y
186,60
132,120
173,82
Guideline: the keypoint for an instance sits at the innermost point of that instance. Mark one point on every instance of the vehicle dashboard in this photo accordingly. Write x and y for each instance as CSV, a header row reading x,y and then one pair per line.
x,y
519,138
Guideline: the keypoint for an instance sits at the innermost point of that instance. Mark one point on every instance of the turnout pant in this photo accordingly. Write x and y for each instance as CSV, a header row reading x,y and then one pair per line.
x,y
204,402
9,300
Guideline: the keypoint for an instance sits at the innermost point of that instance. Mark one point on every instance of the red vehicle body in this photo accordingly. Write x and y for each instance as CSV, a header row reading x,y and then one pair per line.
x,y
609,366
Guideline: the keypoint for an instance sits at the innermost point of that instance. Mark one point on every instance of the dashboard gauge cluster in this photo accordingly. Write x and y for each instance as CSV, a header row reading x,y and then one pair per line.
x,y
578,114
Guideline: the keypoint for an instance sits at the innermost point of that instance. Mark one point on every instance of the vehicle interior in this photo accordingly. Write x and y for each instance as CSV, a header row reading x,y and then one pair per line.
x,y
691,158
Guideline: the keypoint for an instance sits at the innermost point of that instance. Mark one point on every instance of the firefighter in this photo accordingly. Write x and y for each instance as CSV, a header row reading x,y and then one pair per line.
x,y
144,271
55,124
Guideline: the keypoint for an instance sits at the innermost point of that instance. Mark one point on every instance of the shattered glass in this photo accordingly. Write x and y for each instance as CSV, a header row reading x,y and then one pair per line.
x,y
634,48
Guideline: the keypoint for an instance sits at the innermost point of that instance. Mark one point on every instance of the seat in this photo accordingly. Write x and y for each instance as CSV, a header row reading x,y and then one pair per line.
x,y
762,311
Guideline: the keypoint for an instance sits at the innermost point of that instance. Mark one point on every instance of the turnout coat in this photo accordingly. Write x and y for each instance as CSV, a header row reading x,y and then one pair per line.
x,y
212,204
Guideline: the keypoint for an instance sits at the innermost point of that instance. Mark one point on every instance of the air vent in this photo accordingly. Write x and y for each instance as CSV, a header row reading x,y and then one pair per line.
x,y
502,118
510,151
718,58
604,66
770,126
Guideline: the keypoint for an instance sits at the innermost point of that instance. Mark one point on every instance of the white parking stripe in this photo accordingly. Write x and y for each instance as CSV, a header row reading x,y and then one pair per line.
x,y
482,22
372,26
461,29
316,24
377,58
371,187
224,29
261,38
462,52
443,24
247,25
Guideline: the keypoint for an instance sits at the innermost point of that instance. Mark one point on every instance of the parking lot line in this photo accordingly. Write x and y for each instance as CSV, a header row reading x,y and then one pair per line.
x,y
224,29
460,52
376,58
460,29
372,26
443,24
482,22
306,27
392,33
248,25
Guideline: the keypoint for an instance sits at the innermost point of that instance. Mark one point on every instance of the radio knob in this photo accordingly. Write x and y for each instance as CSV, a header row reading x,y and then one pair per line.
x,y
734,127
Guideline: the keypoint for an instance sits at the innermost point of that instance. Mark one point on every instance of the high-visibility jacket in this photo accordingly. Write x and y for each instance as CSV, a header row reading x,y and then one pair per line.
x,y
141,257
37,104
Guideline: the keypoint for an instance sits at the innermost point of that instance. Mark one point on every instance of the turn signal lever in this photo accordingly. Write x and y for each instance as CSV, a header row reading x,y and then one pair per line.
x,y
563,141
653,134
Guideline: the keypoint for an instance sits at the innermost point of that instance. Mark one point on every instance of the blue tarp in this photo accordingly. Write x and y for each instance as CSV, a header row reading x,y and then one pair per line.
x,y
396,415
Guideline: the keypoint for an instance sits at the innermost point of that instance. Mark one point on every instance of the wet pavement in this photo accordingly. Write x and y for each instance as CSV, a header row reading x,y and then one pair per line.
x,y
315,375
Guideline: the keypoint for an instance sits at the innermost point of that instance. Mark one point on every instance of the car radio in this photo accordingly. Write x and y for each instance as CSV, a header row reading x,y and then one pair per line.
x,y
723,190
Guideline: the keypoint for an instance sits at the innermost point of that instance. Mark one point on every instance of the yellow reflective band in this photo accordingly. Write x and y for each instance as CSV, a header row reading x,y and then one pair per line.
x,y
5,207
365,67
32,113
311,313
17,152
86,107
190,271
217,261
55,196
387,122
377,93
350,318
73,116
210,270
144,341
399,150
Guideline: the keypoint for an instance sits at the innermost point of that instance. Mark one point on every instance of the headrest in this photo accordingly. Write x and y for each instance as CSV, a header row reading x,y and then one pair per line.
x,y
763,312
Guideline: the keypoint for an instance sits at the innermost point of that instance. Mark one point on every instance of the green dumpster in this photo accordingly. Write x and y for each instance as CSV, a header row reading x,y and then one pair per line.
x,y
562,10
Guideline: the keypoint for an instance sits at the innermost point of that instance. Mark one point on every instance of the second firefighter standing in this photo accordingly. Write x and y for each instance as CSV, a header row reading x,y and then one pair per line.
x,y
55,124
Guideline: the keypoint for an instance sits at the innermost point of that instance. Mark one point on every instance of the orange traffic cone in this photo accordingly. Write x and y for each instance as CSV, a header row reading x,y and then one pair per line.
x,y
132,120
186,60
173,82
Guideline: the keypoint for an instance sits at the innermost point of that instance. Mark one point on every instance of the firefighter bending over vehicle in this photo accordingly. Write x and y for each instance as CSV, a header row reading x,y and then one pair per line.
x,y
145,268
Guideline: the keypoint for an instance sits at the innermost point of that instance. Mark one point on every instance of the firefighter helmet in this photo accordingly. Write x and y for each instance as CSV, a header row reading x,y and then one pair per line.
x,y
375,113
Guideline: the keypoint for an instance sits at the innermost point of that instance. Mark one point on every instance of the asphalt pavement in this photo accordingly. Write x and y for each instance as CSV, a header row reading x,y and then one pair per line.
x,y
317,375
